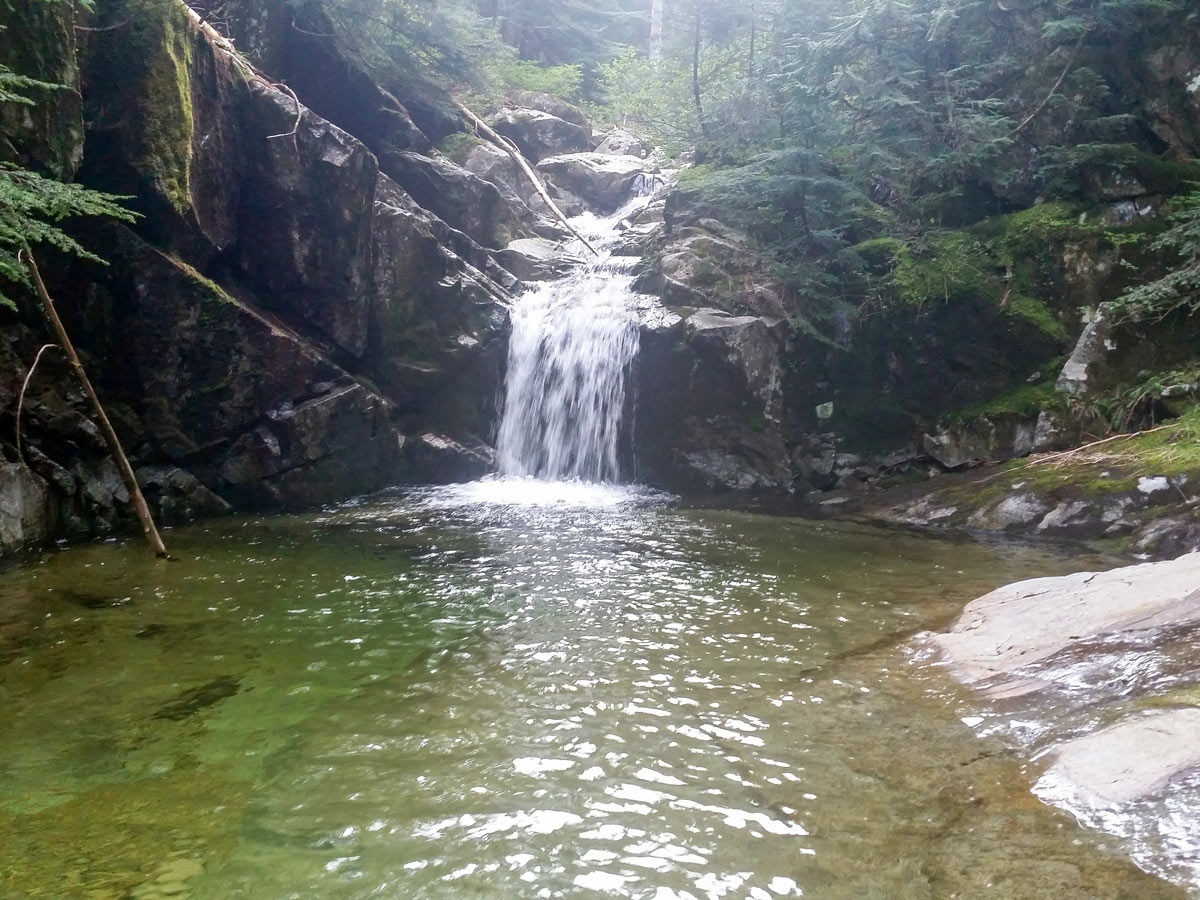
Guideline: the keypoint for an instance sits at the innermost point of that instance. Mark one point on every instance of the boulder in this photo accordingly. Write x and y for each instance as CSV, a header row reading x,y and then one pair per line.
x,y
489,215
698,267
537,259
539,134
1132,760
620,142
982,439
329,446
1089,355
177,496
602,181
490,163
556,106
709,398
24,508
1020,510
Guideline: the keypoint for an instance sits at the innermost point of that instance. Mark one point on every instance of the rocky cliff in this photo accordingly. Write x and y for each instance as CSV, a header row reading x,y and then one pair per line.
x,y
314,302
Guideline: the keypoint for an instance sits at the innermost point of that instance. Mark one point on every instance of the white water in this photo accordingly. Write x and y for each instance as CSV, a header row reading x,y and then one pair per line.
x,y
573,343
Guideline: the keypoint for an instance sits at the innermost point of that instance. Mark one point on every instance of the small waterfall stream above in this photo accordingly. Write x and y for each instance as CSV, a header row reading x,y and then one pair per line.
x,y
573,341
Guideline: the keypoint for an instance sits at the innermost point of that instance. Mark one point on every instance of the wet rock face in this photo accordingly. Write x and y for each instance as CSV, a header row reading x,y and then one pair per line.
x,y
305,216
48,137
24,507
709,395
291,44
472,205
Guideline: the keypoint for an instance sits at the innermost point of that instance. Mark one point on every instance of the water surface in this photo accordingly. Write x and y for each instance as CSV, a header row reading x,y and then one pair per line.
x,y
510,690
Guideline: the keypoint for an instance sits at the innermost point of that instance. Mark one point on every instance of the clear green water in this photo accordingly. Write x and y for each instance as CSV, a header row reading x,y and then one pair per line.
x,y
425,696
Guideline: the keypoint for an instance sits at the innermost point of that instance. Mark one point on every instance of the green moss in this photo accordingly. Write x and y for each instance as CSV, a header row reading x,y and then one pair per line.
x,y
1028,399
1185,696
1021,235
1110,468
945,267
1168,450
1036,313
147,75
168,120
209,285
880,252
696,174
458,146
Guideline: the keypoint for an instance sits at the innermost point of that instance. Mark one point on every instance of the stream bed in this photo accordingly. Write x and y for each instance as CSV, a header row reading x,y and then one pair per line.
x,y
517,690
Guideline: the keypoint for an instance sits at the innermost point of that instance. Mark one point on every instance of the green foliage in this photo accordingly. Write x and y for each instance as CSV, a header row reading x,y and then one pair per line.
x,y
655,99
13,87
1135,405
484,49
502,73
1178,289
31,208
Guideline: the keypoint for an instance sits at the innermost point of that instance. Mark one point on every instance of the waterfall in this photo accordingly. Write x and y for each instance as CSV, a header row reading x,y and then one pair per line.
x,y
573,342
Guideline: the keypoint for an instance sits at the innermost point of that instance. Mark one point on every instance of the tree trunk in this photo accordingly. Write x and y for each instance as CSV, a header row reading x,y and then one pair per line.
x,y
110,435
696,77
656,32
511,149
753,39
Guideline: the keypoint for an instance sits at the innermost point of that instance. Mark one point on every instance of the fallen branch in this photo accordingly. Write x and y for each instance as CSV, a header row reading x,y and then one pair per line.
x,y
511,149
1049,457
299,114
21,397
110,435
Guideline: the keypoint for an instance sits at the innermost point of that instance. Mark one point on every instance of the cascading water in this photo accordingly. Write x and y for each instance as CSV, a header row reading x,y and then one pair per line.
x,y
573,342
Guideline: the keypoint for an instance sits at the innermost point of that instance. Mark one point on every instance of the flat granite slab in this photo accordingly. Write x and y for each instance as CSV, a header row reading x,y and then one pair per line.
x,y
1076,656
1030,621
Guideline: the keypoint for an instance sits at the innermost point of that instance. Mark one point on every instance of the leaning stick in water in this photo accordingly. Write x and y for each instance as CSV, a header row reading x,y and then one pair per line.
x,y
110,435
511,149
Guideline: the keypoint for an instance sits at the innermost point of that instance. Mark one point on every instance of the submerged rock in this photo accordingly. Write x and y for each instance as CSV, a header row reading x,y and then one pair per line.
x,y
1133,759
1096,672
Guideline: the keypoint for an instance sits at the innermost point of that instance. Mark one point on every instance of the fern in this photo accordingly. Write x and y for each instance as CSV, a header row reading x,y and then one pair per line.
x,y
1178,289
32,206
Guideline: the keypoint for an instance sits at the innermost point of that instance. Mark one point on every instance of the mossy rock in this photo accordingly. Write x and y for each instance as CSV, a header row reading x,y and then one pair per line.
x,y
140,93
